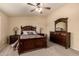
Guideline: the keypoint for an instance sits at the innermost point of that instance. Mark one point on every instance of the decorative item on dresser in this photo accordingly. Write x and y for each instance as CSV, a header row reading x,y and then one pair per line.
x,y
61,36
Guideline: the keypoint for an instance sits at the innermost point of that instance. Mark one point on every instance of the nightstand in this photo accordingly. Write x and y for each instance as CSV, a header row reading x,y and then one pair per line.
x,y
41,34
13,38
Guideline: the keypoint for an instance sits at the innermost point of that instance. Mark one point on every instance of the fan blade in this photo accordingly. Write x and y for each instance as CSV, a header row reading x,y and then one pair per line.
x,y
47,8
32,10
30,4
38,4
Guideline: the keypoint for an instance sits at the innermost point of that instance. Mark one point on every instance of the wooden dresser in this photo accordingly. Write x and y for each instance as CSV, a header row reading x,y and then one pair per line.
x,y
62,38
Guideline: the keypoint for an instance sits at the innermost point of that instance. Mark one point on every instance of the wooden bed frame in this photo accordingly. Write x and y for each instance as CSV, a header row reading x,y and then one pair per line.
x,y
31,44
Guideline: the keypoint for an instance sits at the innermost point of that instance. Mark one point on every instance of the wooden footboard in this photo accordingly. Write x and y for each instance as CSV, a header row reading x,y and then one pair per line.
x,y
29,44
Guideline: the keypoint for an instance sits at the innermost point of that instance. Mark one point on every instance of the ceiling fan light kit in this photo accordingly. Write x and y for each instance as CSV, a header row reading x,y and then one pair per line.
x,y
38,7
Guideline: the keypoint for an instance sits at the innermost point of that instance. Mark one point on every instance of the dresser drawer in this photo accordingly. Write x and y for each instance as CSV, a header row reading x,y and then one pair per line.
x,y
62,38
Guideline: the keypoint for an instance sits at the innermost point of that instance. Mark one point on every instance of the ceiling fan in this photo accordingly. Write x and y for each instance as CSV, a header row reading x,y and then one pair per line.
x,y
38,7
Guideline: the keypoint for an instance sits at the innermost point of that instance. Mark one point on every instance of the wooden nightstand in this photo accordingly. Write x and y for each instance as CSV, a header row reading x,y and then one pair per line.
x,y
41,34
13,38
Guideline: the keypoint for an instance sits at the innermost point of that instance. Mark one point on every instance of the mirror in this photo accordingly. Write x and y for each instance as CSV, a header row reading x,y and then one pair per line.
x,y
61,24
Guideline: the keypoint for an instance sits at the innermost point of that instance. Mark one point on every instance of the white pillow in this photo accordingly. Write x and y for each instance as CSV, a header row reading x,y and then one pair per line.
x,y
25,33
29,33
34,32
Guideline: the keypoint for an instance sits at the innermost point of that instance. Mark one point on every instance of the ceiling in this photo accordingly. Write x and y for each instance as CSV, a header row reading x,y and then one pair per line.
x,y
22,9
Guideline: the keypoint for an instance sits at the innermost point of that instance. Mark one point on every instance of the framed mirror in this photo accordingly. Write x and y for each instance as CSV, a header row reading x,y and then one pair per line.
x,y
61,24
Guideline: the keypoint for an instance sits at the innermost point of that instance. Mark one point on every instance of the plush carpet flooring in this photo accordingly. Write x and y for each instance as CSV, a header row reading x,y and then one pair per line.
x,y
52,50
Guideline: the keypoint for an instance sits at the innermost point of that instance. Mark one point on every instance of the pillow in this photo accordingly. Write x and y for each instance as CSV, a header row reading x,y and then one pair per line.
x,y
25,33
34,32
29,32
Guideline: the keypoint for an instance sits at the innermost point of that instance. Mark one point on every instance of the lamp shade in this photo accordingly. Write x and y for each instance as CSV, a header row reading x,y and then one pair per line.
x,y
15,29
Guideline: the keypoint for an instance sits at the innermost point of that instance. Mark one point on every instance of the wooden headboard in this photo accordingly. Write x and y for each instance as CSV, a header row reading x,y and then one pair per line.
x,y
27,28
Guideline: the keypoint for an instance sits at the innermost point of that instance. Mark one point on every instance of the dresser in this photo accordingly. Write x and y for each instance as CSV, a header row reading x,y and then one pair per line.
x,y
62,38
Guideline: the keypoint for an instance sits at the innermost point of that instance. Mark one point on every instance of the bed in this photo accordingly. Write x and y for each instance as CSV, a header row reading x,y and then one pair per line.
x,y
32,41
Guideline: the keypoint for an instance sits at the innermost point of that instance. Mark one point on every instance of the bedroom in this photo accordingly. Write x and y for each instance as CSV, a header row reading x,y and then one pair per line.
x,y
18,14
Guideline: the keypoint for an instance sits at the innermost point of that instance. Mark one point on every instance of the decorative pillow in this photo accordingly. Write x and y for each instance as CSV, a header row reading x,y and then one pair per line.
x,y
30,33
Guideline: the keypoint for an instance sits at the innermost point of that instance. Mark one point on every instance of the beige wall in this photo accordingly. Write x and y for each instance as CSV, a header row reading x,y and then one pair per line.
x,y
72,12
3,29
0,27
38,21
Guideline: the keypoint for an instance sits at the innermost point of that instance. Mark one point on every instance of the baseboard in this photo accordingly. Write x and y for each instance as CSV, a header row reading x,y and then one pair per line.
x,y
75,49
